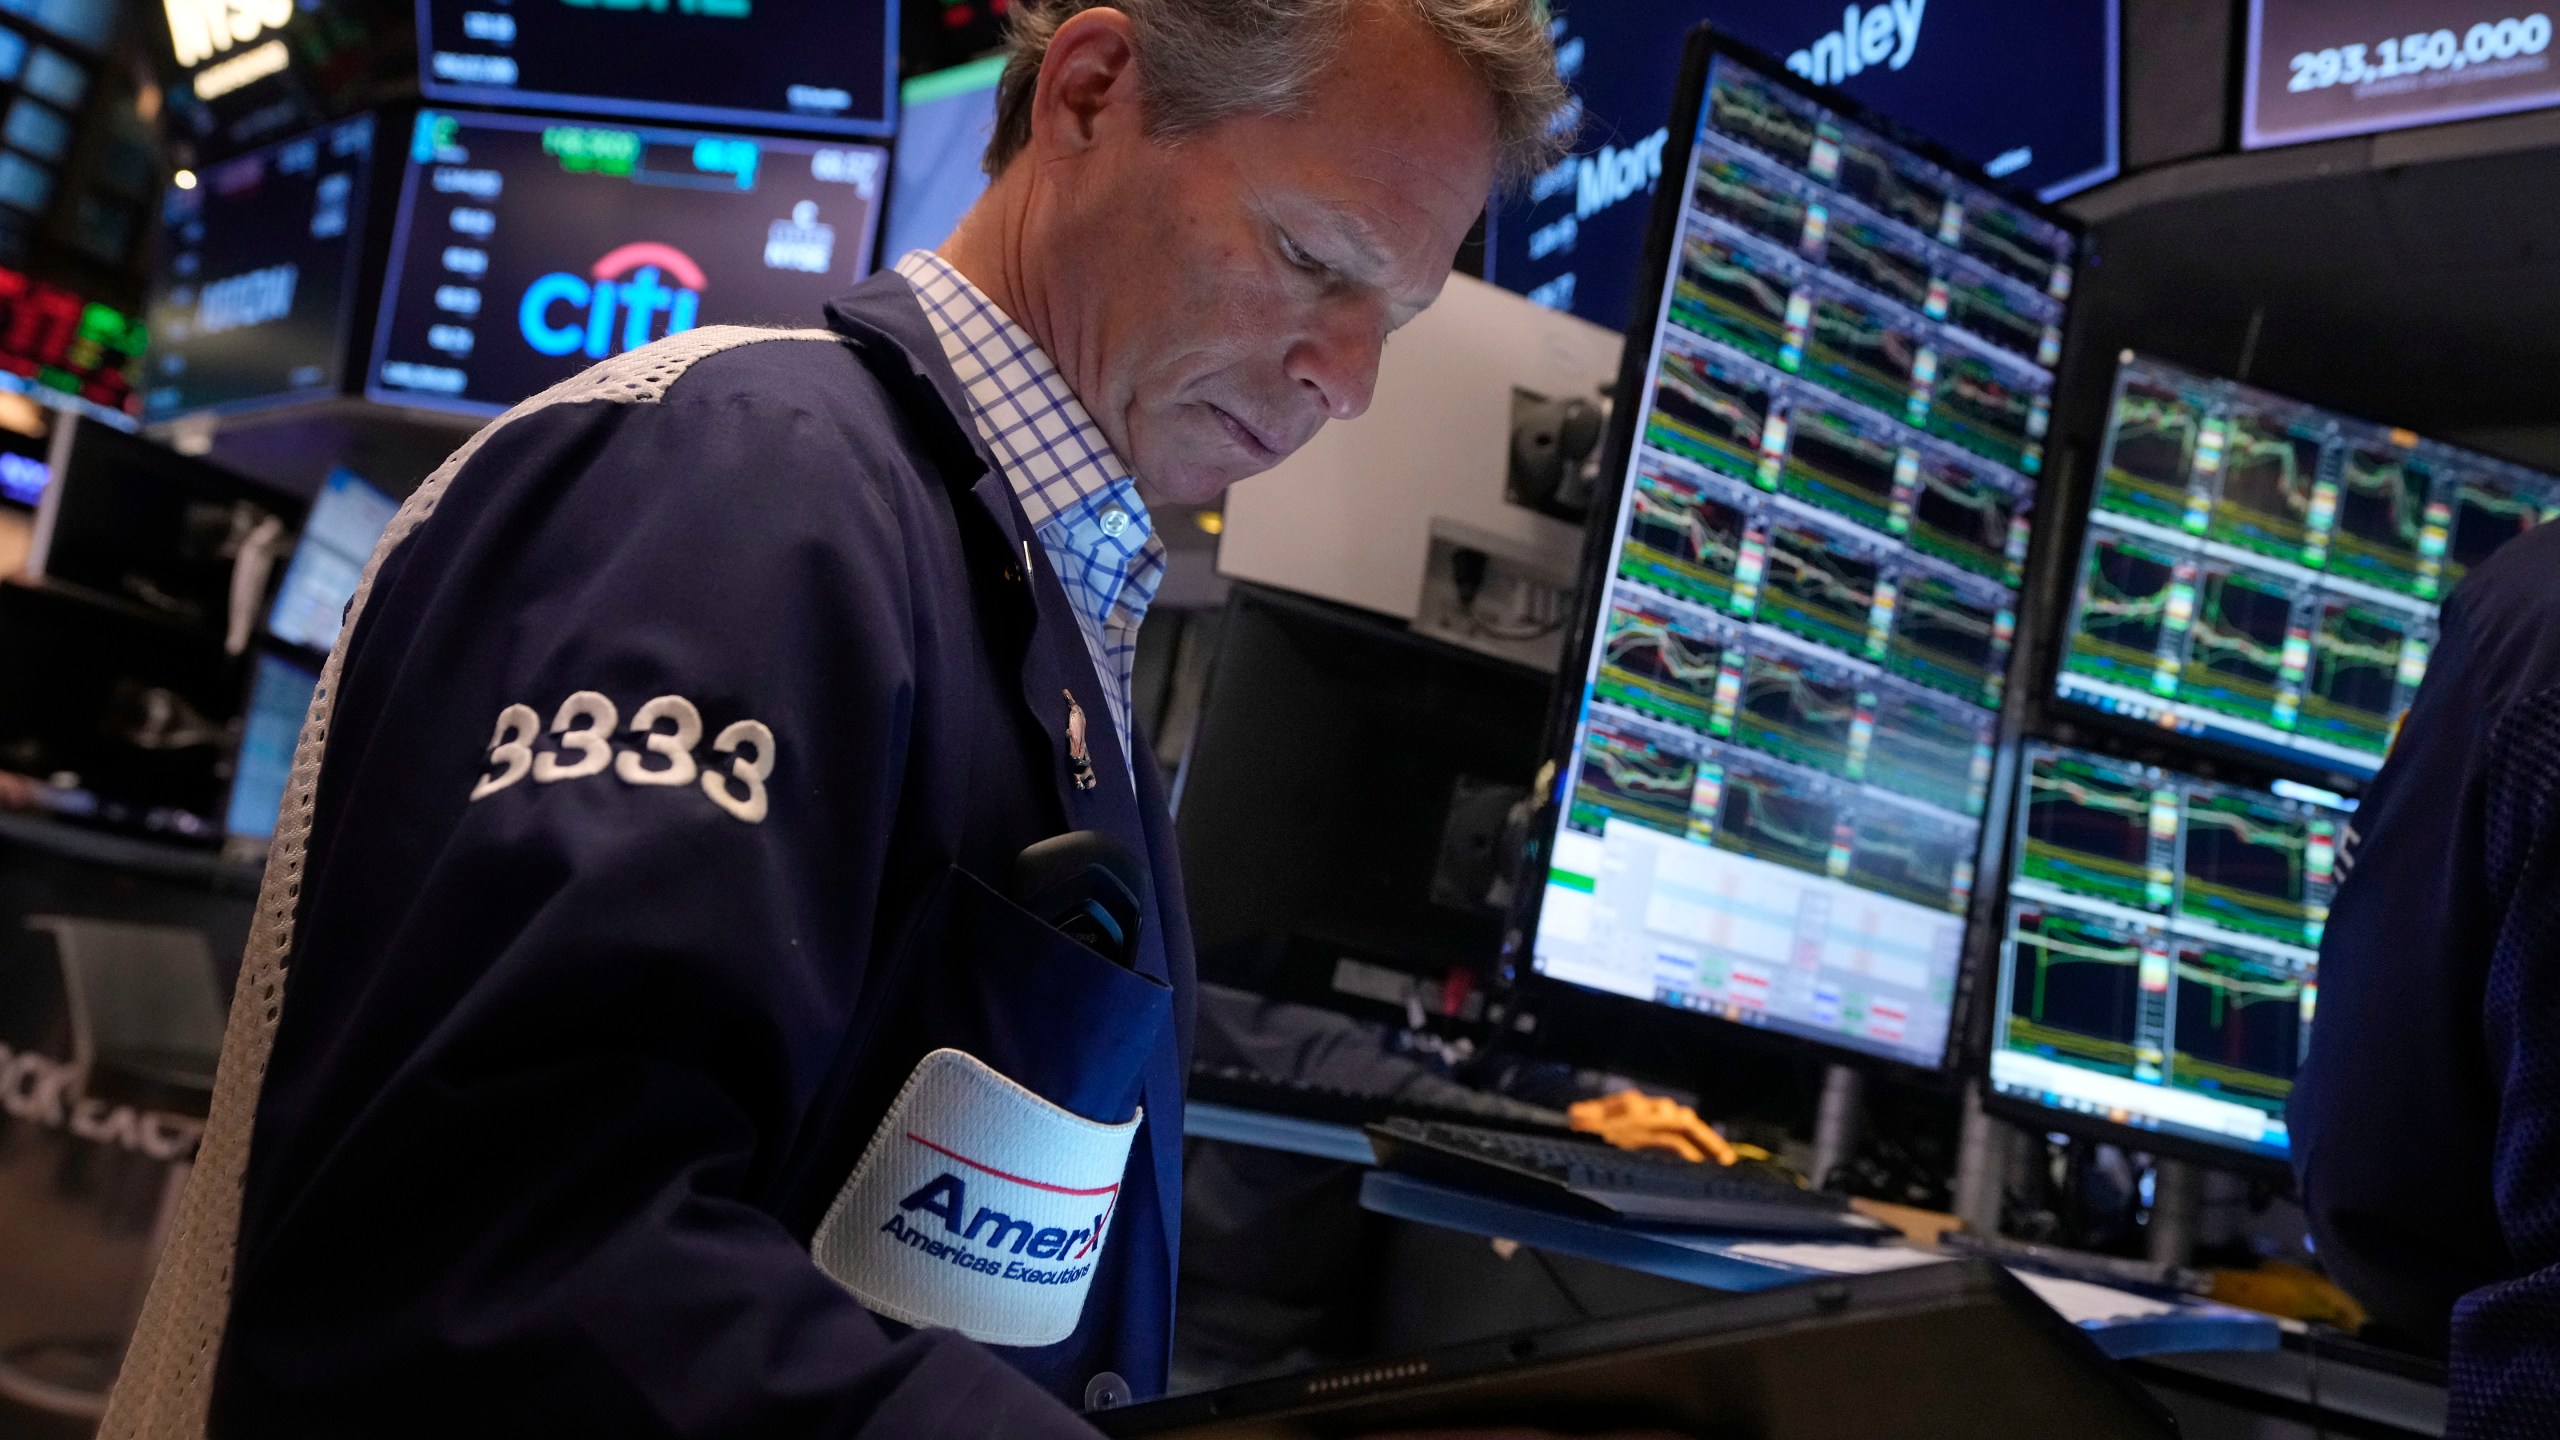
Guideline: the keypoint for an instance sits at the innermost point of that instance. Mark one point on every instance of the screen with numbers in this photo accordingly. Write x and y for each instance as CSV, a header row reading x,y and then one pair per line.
x,y
805,65
529,249
2323,68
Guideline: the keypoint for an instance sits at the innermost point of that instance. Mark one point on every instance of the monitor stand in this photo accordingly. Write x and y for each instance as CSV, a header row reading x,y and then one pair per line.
x,y
1841,1121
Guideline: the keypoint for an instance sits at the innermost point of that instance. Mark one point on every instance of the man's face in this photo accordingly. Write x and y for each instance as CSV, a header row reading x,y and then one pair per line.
x,y
1230,292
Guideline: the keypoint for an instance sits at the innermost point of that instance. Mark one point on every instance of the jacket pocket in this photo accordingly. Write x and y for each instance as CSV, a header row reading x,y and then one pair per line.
x,y
1051,1015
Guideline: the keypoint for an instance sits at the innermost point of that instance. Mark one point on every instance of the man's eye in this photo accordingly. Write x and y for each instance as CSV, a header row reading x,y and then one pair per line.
x,y
1290,251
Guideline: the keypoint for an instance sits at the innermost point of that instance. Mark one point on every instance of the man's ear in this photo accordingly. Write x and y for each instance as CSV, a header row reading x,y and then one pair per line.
x,y
1088,83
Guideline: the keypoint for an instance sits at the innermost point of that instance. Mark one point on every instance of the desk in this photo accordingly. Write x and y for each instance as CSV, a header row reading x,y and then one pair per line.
x,y
2123,1323
1321,1139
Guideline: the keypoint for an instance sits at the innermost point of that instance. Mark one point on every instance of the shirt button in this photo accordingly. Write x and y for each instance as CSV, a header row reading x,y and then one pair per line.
x,y
1106,1391
1115,522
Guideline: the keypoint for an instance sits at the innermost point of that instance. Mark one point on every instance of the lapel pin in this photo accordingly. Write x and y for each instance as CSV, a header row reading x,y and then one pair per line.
x,y
1079,759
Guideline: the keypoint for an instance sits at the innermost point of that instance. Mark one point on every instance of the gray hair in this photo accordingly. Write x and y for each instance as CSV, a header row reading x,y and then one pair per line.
x,y
1210,60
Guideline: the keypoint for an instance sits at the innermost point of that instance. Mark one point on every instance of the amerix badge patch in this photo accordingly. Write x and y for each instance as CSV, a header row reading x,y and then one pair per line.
x,y
978,1207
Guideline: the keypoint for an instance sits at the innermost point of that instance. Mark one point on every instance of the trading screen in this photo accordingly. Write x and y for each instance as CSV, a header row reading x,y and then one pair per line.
x,y
734,62
278,699
2161,963
2267,574
328,561
257,276
1775,795
530,249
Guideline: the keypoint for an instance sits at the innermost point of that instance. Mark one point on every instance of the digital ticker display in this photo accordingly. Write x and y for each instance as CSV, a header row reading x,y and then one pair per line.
x,y
257,270
529,249
2161,963
1775,794
2266,574
733,62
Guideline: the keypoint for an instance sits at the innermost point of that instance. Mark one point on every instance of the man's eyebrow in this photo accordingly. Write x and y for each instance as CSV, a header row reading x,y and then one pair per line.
x,y
1357,235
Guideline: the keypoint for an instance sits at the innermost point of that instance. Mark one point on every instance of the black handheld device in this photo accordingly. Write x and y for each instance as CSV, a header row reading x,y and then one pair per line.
x,y
1087,885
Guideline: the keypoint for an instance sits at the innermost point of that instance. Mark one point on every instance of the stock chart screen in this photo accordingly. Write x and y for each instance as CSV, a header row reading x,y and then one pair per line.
x,y
530,249
1774,799
2161,962
2266,574
722,62
257,276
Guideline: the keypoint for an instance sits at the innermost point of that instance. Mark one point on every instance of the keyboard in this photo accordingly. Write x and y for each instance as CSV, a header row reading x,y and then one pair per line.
x,y
1589,1178
1308,1100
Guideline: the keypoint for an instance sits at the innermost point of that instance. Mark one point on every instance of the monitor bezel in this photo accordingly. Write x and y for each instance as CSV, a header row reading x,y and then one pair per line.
x,y
1517,966
441,94
396,258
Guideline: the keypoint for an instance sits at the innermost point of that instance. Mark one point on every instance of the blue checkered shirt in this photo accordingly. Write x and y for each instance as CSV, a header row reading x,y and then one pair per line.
x,y
1081,500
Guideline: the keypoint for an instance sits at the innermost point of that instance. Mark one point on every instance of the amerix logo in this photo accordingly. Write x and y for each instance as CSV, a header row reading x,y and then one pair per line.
x,y
989,1241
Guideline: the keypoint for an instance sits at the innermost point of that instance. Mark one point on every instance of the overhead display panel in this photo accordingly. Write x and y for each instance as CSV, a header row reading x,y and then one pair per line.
x,y
529,249
2265,575
255,291
2026,90
735,62
2324,68
1771,801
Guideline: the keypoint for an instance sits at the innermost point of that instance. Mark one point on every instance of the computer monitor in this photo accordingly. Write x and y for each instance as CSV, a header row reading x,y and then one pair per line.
x,y
329,561
1342,801
279,696
2160,964
529,249
1786,685
715,62
944,122
137,526
254,288
2263,575
2026,90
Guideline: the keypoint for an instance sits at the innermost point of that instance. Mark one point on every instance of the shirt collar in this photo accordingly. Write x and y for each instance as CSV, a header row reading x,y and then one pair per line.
x,y
1056,458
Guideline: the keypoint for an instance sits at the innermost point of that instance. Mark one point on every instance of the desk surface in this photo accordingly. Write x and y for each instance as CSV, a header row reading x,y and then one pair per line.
x,y
2125,1324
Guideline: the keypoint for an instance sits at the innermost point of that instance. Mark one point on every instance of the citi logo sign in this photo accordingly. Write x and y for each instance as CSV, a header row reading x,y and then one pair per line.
x,y
633,285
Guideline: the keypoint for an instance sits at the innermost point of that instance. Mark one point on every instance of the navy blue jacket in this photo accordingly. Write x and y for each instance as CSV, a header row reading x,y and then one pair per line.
x,y
2426,1122
566,1077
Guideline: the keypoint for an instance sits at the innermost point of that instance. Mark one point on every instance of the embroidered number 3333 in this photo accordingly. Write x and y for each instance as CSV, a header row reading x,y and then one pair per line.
x,y
666,732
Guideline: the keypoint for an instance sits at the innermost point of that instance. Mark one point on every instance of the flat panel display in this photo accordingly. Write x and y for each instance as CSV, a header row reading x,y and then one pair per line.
x,y
278,699
2266,574
804,65
2323,68
328,562
256,278
944,122
2026,88
1772,799
2160,968
529,249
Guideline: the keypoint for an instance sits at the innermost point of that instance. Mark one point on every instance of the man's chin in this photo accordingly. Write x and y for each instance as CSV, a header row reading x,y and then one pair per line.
x,y
1190,480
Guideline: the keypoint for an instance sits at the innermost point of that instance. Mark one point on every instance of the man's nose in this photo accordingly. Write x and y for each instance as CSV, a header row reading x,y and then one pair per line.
x,y
1336,361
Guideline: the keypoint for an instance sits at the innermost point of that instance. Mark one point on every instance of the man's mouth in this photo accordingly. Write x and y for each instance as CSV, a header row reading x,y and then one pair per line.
x,y
1251,441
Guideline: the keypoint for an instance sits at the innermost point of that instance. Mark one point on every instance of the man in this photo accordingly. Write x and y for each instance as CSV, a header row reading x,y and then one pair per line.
x,y
2426,1125
636,1034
